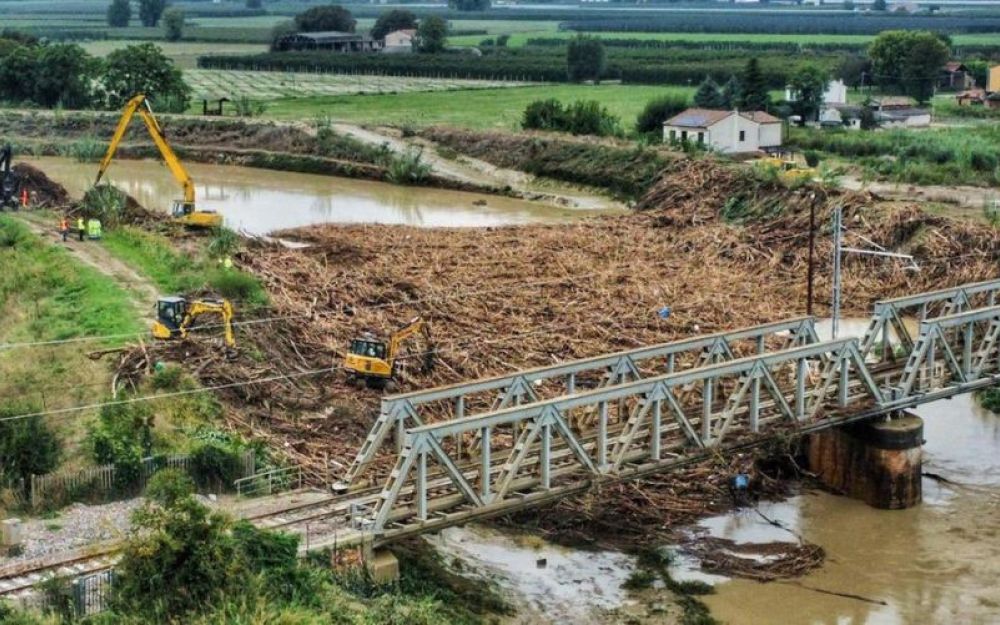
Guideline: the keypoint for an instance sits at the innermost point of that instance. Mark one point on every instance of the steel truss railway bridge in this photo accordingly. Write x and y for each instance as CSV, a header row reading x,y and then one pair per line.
x,y
449,455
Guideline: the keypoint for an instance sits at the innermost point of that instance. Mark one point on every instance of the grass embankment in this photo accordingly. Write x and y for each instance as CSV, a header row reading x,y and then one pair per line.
x,y
948,156
47,295
188,270
495,109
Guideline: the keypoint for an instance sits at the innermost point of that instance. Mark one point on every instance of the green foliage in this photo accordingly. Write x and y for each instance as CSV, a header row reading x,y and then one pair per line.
x,y
808,84
812,158
84,150
408,168
215,466
143,68
150,12
391,21
237,286
990,399
50,75
119,13
169,486
432,35
225,242
730,93
27,446
879,5
173,24
753,94
580,118
585,59
909,61
323,18
469,5
122,436
105,202
639,580
708,95
280,30
659,110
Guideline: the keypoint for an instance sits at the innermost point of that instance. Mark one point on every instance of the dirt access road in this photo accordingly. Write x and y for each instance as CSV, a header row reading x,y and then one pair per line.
x,y
142,293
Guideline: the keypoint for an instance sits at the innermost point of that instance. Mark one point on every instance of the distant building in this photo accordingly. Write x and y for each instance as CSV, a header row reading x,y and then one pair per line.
x,y
993,84
972,97
332,40
399,41
956,77
725,131
835,93
840,116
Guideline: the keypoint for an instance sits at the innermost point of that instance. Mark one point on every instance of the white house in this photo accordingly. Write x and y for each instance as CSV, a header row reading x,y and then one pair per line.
x,y
835,93
399,41
725,131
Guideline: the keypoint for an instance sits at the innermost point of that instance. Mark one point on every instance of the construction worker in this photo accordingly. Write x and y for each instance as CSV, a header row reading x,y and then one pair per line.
x,y
64,227
81,228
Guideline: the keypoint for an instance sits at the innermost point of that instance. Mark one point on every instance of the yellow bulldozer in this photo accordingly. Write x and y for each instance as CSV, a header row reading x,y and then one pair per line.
x,y
373,361
789,169
175,317
183,210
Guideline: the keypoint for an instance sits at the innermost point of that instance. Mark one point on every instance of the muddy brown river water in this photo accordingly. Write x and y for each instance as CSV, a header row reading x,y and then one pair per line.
x,y
259,201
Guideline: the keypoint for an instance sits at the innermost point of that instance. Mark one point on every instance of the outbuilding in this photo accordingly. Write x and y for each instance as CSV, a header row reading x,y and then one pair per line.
x,y
725,131
332,40
399,41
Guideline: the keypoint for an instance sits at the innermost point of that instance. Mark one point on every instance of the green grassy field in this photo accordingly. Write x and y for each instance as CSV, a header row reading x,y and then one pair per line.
x,y
483,109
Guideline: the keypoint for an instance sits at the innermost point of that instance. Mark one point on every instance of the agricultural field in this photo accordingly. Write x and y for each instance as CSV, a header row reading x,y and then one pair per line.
x,y
497,109
184,53
207,83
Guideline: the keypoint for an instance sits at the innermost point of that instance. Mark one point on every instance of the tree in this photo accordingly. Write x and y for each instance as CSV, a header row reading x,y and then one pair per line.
x,y
730,93
17,74
173,24
397,19
879,5
808,84
27,446
659,110
867,119
753,88
469,5
432,35
909,61
924,60
585,59
708,95
119,13
281,29
329,17
145,69
848,5
150,12
254,4
64,75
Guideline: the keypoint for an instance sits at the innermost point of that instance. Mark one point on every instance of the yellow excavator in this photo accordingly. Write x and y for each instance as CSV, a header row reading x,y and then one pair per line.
x,y
175,316
372,361
789,169
183,210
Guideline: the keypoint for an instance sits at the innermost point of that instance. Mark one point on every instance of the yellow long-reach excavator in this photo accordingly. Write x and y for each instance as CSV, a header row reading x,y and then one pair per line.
x,y
175,316
183,210
373,361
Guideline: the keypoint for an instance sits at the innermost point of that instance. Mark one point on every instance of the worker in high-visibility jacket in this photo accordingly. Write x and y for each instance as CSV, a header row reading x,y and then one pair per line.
x,y
81,228
93,228
64,227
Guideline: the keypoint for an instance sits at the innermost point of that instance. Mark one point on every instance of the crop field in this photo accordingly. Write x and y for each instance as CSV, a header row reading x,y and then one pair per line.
x,y
496,109
206,83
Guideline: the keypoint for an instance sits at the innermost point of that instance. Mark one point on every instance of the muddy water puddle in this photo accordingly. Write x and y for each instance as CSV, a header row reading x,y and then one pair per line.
x,y
260,201
933,564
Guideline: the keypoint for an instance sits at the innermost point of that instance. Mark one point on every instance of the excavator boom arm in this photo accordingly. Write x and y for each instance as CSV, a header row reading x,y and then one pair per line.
x,y
224,309
139,103
401,335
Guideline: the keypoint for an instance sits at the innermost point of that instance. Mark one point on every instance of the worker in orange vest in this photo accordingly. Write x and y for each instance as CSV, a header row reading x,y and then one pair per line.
x,y
64,227
24,198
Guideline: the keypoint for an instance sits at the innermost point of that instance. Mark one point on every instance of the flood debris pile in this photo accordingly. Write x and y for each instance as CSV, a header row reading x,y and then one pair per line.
x,y
762,562
43,192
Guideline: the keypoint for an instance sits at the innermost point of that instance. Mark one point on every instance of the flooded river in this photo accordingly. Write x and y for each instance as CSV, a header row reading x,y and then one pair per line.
x,y
259,201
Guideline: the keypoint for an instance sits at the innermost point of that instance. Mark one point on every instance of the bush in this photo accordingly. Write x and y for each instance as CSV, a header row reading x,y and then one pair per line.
x,y
215,466
585,59
812,158
659,110
105,202
408,168
322,18
122,436
544,115
173,24
982,161
168,486
27,446
237,285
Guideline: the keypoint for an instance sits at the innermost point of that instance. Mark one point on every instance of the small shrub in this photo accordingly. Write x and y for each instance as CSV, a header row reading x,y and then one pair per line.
x,y
812,158
639,580
224,242
245,107
167,378
408,168
237,285
982,161
85,150
214,466
544,115
27,446
105,202
168,486
990,399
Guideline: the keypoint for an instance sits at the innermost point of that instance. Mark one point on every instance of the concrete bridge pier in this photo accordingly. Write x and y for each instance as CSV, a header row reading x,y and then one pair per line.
x,y
878,462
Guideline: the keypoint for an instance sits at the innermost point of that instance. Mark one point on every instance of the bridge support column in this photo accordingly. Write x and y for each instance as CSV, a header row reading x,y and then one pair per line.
x,y
878,462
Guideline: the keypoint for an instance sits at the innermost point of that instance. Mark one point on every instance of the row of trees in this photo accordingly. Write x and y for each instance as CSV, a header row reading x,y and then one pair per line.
x,y
65,75
150,11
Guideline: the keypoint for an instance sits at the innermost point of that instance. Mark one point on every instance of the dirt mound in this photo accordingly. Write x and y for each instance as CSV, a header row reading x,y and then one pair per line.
x,y
42,191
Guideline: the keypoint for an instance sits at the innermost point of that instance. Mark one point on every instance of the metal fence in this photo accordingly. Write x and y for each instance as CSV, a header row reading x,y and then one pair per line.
x,y
269,482
99,484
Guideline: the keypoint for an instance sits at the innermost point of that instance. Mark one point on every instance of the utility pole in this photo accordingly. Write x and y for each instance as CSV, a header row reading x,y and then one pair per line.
x,y
838,218
839,250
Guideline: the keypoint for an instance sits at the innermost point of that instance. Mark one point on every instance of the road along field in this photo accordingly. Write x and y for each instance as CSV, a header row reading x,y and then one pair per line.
x,y
215,83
